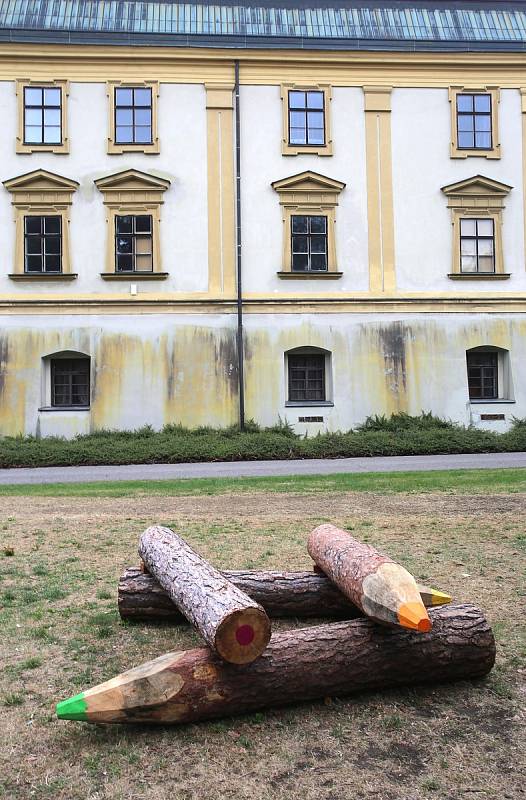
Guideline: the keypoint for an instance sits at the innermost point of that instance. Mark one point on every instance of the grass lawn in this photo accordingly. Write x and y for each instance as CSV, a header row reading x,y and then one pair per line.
x,y
62,549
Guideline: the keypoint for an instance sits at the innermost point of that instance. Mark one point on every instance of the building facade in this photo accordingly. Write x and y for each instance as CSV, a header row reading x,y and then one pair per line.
x,y
324,207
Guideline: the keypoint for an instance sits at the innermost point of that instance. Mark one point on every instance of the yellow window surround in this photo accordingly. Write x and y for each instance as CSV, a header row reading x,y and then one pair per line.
x,y
133,193
490,152
288,149
63,146
308,194
477,198
41,193
115,148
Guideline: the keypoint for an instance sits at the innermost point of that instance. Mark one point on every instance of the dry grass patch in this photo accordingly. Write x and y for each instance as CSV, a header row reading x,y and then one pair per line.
x,y
59,563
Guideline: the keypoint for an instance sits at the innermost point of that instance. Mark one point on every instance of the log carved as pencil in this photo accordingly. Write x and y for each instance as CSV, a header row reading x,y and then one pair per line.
x,y
227,618
333,659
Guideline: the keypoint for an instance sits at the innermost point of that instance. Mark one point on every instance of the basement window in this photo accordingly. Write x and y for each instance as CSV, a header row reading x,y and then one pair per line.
x,y
489,375
70,382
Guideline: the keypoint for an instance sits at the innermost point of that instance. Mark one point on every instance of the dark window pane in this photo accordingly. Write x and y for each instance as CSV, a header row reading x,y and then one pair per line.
x,y
124,224
300,244
52,245
124,263
299,262
33,245
306,377
318,262
70,382
318,244
318,224
33,224
482,369
125,244
52,224
143,223
52,263
300,224
34,264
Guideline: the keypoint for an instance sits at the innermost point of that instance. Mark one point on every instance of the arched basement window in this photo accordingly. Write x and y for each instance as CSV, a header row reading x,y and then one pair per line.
x,y
67,380
489,376
308,371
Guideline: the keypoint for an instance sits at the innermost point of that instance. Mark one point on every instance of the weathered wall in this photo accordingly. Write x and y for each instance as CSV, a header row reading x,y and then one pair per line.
x,y
158,369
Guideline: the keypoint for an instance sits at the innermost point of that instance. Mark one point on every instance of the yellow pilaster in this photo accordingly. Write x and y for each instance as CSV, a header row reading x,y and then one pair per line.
x,y
523,109
380,217
221,197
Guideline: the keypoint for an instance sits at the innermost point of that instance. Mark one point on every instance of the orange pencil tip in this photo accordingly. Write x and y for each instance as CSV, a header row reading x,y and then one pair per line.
x,y
414,616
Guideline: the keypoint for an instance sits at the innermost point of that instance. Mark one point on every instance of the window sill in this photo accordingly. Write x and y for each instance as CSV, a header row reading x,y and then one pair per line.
x,y
43,276
491,402
479,276
490,152
309,404
134,276
64,408
309,276
306,149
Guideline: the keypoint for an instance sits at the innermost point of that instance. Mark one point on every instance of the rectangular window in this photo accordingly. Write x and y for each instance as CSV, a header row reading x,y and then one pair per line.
x,y
309,244
42,115
70,382
306,377
483,375
477,245
43,244
133,115
306,117
474,121
133,243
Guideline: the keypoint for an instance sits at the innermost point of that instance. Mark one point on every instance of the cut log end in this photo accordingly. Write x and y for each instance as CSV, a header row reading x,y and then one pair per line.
x,y
243,636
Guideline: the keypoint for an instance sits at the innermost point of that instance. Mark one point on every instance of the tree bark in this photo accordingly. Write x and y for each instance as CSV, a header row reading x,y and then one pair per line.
x,y
384,590
282,594
227,618
303,664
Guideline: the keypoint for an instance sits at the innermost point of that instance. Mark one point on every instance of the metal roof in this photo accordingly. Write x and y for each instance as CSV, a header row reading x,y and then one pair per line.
x,y
341,24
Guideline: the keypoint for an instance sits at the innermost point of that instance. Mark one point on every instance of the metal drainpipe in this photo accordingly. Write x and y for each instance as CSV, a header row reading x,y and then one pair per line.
x,y
240,359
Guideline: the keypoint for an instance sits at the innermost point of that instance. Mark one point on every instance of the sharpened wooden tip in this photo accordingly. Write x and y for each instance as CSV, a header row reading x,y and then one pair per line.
x,y
414,616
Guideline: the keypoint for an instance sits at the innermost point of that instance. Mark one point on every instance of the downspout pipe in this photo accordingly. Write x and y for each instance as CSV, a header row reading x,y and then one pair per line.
x,y
240,355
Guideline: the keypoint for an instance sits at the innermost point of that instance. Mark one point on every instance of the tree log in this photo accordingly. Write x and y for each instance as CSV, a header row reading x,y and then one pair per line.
x,y
282,594
334,659
227,618
380,587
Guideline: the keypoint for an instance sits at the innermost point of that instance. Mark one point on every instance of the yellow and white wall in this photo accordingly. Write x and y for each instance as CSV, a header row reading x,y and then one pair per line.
x,y
395,325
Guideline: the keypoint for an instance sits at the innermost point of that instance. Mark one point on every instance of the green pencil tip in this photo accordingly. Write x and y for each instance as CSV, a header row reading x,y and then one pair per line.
x,y
74,708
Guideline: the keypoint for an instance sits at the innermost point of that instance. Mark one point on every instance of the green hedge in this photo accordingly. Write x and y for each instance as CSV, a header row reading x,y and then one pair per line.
x,y
378,436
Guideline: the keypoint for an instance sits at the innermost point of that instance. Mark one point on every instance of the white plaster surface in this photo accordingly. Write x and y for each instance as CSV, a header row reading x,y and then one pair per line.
x,y
263,163
421,133
184,215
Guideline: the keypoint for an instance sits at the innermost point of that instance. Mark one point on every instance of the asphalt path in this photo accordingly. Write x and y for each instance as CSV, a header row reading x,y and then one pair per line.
x,y
239,469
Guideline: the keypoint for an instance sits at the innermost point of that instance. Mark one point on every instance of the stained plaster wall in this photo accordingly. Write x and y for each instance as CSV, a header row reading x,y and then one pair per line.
x,y
159,369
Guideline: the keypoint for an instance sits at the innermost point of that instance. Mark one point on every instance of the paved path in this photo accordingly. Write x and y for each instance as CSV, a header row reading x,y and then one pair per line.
x,y
239,469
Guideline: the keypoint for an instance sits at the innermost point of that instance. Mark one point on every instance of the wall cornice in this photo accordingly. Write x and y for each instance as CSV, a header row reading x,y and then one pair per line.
x,y
101,63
